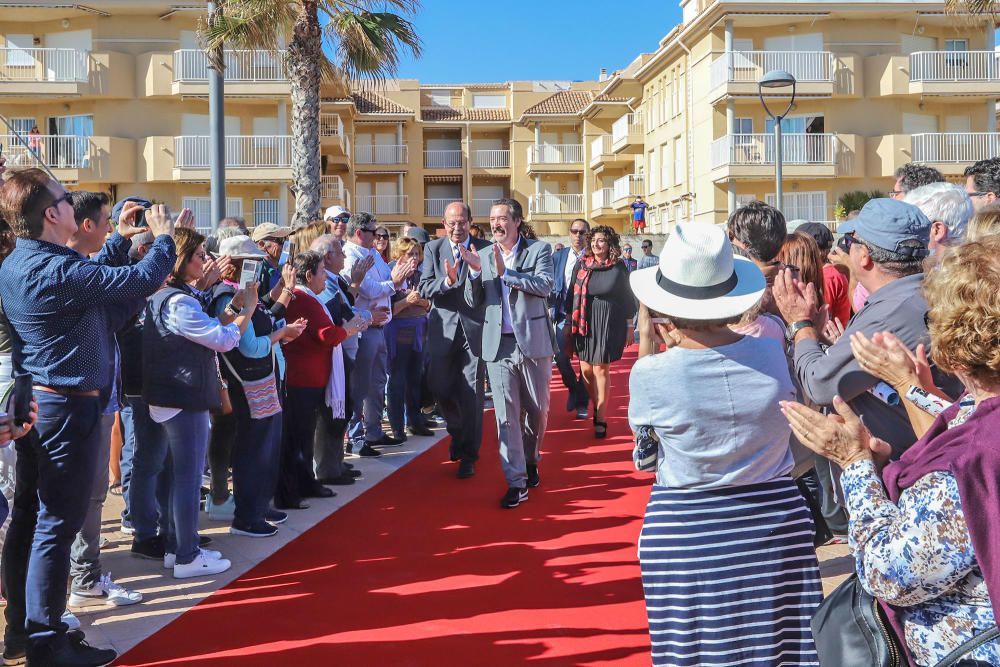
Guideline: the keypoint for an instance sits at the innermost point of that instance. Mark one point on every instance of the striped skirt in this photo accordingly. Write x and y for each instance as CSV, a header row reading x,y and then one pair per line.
x,y
730,576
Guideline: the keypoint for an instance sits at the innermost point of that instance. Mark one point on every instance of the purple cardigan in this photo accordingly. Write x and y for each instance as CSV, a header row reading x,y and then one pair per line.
x,y
971,453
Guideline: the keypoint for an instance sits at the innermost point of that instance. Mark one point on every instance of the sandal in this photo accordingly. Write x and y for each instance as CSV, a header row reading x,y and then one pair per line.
x,y
600,429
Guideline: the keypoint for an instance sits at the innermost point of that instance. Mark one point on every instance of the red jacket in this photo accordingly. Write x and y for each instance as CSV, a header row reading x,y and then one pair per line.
x,y
309,359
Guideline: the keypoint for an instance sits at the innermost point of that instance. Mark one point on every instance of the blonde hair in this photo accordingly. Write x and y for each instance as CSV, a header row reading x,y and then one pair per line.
x,y
964,297
403,245
303,237
985,222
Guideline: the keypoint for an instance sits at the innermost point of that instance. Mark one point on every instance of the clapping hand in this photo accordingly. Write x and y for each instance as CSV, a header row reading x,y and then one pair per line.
x,y
471,257
886,357
840,437
356,324
795,299
295,329
451,271
360,269
213,271
403,269
185,219
498,259
288,275
380,315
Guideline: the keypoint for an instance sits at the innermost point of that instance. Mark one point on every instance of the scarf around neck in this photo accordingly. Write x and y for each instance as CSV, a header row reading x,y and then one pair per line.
x,y
336,385
581,291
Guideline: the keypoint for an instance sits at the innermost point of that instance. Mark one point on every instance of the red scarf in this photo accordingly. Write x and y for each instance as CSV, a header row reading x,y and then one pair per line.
x,y
581,291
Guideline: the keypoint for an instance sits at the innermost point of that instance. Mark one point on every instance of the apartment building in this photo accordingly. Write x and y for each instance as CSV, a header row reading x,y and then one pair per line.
x,y
119,92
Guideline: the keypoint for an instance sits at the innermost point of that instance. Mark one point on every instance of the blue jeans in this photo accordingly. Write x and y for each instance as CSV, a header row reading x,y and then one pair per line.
x,y
368,388
254,457
149,490
405,378
128,453
85,554
54,477
187,440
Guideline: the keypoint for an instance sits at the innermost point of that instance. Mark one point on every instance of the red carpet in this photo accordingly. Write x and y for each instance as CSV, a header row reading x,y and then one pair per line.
x,y
426,569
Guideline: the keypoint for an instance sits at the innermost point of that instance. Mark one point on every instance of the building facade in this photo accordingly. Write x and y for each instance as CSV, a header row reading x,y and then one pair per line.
x,y
118,90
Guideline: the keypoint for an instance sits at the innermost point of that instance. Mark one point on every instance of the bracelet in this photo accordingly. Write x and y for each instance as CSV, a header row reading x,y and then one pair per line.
x,y
232,309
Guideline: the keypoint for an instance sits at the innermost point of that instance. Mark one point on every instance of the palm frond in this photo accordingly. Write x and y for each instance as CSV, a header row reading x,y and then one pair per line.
x,y
247,24
975,7
369,44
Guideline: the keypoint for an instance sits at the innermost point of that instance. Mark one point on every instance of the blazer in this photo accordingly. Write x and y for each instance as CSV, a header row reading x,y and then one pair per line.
x,y
560,298
450,313
530,280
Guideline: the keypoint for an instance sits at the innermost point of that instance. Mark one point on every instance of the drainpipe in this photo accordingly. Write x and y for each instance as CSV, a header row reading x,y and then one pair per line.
x,y
690,132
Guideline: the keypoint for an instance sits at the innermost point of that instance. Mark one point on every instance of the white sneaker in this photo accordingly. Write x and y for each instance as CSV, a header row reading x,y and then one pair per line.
x,y
105,592
70,619
223,512
169,560
203,564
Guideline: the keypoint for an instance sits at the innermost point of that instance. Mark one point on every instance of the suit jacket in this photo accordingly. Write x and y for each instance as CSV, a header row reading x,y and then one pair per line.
x,y
560,300
450,313
530,279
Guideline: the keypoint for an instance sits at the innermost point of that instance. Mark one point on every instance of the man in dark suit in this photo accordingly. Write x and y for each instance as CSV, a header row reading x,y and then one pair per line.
x,y
560,304
513,279
454,336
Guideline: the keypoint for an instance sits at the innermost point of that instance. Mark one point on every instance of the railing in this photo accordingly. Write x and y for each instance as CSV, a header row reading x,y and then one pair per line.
x,y
491,159
932,66
548,203
434,208
555,153
627,187
191,66
48,65
57,151
629,125
958,147
750,66
601,198
600,146
331,125
242,152
384,204
380,154
443,159
758,149
332,191
481,208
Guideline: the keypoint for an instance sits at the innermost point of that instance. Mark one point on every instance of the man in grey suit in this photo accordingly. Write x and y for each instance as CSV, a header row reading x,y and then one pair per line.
x,y
454,336
513,280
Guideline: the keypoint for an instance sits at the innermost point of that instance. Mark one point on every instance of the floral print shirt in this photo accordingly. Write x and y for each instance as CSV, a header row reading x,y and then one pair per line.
x,y
918,554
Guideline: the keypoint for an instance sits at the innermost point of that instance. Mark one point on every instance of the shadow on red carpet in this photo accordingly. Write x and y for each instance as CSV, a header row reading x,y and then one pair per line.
x,y
426,569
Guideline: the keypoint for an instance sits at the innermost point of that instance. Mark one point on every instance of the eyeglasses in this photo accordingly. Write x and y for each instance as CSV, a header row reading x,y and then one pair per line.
x,y
382,236
846,241
577,232
646,247
67,197
451,224
977,194
626,249
370,230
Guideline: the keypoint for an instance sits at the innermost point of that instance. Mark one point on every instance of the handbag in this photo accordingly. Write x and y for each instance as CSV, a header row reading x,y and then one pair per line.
x,y
262,395
850,630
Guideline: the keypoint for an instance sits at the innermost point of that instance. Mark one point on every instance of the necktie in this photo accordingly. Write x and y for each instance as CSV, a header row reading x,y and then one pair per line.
x,y
458,259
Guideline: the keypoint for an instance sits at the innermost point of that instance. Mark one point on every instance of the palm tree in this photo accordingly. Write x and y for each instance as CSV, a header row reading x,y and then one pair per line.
x,y
367,46
990,7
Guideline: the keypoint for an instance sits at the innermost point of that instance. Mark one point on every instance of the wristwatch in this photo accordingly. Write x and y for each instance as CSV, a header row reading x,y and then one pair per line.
x,y
232,310
796,327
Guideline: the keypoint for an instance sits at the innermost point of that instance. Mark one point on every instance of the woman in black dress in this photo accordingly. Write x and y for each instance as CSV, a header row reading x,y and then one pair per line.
x,y
602,305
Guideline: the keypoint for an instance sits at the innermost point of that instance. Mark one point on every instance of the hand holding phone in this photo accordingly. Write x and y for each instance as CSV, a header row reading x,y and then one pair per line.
x,y
250,272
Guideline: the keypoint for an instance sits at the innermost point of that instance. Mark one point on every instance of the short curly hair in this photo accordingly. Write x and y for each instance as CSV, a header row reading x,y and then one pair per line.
x,y
614,241
912,176
964,297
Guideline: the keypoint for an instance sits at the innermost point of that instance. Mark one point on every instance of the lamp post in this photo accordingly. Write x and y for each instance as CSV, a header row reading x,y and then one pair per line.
x,y
777,78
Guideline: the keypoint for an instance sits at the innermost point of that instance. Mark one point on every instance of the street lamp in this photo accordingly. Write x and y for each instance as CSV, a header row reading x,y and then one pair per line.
x,y
777,78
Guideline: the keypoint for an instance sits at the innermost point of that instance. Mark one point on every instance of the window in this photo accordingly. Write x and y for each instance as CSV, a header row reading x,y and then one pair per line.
x,y
201,207
489,101
440,98
265,210
956,49
652,171
802,205
679,168
743,126
665,165
677,94
20,50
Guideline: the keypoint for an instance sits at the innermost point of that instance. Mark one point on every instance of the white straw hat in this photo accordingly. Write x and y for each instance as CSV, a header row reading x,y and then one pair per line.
x,y
698,277
239,246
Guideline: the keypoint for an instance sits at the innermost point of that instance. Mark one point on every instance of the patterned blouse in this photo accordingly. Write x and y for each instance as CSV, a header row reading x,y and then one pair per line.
x,y
918,554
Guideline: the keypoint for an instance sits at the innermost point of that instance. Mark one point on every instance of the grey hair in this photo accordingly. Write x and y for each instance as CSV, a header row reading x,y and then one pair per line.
x,y
357,221
139,240
324,244
228,233
943,202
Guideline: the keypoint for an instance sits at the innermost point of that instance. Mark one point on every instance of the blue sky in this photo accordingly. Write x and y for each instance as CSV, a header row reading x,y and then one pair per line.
x,y
480,40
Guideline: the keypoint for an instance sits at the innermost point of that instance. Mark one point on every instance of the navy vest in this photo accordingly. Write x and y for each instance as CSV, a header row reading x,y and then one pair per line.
x,y
176,373
263,325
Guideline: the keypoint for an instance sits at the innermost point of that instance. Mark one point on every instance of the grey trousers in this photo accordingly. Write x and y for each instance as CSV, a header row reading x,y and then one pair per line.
x,y
85,554
521,402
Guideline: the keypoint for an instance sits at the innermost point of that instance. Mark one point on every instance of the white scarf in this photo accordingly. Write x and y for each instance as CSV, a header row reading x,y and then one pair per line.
x,y
336,386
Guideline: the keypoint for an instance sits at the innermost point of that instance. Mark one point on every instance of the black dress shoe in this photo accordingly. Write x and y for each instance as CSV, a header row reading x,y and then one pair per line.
x,y
349,466
420,430
319,491
344,479
354,473
75,652
533,479
369,451
466,469
386,441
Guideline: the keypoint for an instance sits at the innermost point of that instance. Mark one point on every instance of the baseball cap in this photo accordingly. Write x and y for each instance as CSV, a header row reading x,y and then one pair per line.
x,y
335,212
267,230
117,210
418,234
819,231
888,223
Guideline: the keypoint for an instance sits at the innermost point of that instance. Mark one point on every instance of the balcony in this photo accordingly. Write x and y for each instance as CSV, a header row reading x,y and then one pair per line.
x,y
248,158
955,73
434,208
75,158
375,154
625,189
601,202
44,71
333,192
626,134
951,152
443,159
481,208
736,73
555,204
382,204
333,138
491,159
554,157
249,73
752,156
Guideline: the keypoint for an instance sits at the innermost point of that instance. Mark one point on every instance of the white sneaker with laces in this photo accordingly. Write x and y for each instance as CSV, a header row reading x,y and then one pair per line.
x,y
70,619
105,592
202,565
169,559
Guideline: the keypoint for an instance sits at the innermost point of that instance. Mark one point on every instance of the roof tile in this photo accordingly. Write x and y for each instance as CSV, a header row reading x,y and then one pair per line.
x,y
563,102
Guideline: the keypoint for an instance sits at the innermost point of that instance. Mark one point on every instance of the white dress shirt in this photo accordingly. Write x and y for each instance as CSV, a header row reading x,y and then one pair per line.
x,y
456,257
377,287
506,324
572,258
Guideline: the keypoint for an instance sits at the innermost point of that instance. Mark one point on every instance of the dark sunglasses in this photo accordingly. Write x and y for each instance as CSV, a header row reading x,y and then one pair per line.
x,y
577,231
846,241
366,229
67,197
381,236
977,194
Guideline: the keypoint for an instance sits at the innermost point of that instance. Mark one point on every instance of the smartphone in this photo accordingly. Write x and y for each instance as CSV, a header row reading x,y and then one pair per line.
x,y
140,218
285,249
249,272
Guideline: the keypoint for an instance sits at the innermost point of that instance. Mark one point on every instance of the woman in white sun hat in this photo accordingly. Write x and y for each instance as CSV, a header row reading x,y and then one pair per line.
x,y
728,567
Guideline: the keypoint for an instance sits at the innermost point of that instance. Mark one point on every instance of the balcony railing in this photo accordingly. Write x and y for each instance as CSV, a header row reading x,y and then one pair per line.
x,y
601,198
384,204
332,191
44,65
750,66
491,159
57,151
481,208
627,187
758,149
626,127
443,159
944,66
331,125
191,66
380,154
242,152
548,203
958,147
600,146
555,153
434,208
